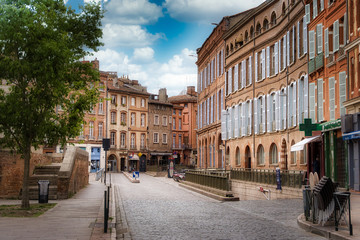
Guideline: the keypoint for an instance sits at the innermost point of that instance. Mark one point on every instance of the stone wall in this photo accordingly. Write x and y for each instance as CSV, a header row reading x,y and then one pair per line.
x,y
12,172
73,174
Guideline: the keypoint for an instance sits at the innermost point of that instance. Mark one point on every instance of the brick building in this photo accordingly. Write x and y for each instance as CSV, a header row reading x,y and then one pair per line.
x,y
160,130
183,127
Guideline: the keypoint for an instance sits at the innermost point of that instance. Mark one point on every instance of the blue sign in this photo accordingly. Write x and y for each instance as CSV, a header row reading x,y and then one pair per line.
x,y
278,179
136,175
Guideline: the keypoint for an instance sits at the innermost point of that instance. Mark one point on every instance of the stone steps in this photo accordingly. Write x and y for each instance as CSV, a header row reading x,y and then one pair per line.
x,y
48,169
48,172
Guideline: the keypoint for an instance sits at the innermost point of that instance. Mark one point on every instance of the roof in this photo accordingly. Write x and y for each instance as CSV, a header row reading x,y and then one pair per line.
x,y
127,89
183,99
159,102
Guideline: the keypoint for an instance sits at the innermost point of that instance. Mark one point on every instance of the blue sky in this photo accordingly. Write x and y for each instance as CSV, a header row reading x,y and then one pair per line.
x,y
154,41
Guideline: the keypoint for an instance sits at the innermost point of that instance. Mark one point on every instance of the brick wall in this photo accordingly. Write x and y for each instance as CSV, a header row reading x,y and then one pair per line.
x,y
12,172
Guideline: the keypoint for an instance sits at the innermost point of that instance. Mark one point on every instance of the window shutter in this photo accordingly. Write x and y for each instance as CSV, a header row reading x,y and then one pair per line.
x,y
311,44
319,40
268,110
293,45
321,5
312,101
223,125
332,98
336,36
276,58
256,67
294,104
217,65
236,117
208,112
279,56
307,14
298,40
300,103
320,99
250,116
198,116
212,109
342,92
268,61
305,36
250,70
263,64
208,75
315,10
230,81
326,43
226,83
222,98
222,62
236,77
288,48
284,53
290,92
345,27
243,105
263,120
228,124
216,106
306,96
243,65
285,116
232,122
256,116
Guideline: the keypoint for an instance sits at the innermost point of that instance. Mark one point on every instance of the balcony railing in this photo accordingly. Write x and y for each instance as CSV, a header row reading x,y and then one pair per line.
x,y
319,61
331,60
311,66
218,180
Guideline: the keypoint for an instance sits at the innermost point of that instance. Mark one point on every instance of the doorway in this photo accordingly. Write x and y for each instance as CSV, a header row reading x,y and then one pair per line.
x,y
247,157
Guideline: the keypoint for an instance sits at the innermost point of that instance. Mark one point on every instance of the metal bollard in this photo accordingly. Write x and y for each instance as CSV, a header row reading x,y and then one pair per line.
x,y
105,213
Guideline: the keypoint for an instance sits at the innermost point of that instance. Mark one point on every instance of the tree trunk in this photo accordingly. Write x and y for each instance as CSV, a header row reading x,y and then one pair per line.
x,y
25,189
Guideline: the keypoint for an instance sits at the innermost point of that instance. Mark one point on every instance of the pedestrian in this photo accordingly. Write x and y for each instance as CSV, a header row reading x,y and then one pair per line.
x,y
316,166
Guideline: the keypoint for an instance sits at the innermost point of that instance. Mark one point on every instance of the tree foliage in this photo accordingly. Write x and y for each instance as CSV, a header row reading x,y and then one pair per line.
x,y
42,43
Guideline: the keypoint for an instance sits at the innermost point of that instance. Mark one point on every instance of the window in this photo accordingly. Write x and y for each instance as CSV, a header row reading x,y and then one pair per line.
x,y
123,101
112,139
293,154
319,38
92,109
91,130
180,142
101,87
320,100
342,92
132,101
132,141
174,112
142,141
142,120
113,117
266,24
180,112
170,119
156,137
81,133
312,101
174,123
122,140
251,32
179,123
332,98
174,141
258,29
156,119
273,19
274,154
164,138
101,107
100,126
260,155
113,99
133,119
164,121
237,156
142,102
123,119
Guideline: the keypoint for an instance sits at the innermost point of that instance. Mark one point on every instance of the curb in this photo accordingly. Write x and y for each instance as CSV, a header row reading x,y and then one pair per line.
x,y
122,229
209,194
324,231
131,179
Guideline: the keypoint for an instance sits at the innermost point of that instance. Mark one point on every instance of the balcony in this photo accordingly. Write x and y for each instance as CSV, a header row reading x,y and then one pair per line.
x,y
319,61
331,60
132,147
341,53
311,66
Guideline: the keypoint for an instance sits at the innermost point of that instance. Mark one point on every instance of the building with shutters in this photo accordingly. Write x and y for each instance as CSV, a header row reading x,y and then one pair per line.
x,y
159,130
327,24
184,127
266,92
211,100
351,130
127,124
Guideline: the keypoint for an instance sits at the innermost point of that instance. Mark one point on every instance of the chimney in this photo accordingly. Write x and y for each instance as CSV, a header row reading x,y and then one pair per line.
x,y
95,64
162,95
191,91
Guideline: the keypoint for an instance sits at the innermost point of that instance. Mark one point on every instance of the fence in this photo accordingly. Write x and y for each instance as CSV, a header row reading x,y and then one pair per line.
x,y
213,179
289,178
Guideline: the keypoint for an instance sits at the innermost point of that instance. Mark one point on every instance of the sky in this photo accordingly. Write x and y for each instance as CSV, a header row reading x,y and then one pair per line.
x,y
155,41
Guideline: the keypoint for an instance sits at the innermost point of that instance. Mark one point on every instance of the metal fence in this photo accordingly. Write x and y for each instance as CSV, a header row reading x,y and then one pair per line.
x,y
213,179
289,178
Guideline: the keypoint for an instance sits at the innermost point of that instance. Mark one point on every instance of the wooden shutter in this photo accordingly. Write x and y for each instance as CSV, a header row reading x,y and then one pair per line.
x,y
243,122
315,10
345,27
243,65
226,83
306,96
277,110
336,36
276,58
250,70
293,45
320,100
311,44
312,101
236,123
307,14
305,36
319,38
223,125
209,74
300,102
268,61
321,5
342,92
285,117
288,48
284,53
263,120
279,56
256,116
268,112
326,43
298,39
222,98
289,103
263,73
198,116
250,116
236,77
294,104
208,112
332,98
256,67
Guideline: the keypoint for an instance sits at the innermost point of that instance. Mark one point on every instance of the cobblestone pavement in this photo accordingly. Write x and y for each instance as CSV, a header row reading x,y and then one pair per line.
x,y
158,208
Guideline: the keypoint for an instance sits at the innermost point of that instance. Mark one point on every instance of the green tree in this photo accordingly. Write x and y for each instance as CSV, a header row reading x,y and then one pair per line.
x,y
42,43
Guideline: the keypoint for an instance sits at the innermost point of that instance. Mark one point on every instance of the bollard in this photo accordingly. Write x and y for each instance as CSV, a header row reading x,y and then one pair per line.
x,y
105,213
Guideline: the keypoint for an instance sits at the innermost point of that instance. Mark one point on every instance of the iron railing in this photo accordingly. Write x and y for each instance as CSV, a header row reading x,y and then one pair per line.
x,y
289,178
212,179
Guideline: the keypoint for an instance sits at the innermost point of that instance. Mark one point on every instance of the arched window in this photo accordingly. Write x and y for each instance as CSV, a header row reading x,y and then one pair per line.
x,y
246,36
258,29
274,154
237,156
231,47
260,155
266,24
273,19
293,154
227,50
283,9
251,32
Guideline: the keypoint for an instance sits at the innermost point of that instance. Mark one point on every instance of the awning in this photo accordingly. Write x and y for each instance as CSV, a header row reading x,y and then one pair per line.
x,y
160,154
135,157
351,135
300,145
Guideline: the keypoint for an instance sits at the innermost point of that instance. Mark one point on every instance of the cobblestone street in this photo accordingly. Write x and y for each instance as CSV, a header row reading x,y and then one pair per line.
x,y
158,208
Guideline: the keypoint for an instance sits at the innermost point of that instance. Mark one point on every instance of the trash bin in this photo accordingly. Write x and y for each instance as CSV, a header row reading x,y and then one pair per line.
x,y
43,191
307,202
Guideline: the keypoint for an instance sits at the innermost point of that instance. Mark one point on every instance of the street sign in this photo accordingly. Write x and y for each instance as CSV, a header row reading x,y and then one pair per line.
x,y
136,175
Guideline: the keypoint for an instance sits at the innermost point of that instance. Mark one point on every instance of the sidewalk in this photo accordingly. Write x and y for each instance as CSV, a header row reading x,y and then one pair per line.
x,y
329,231
80,217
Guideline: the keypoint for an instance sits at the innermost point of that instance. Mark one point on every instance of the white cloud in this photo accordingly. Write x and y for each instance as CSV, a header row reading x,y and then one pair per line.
x,y
115,35
143,55
133,12
207,11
